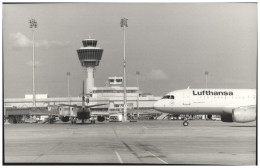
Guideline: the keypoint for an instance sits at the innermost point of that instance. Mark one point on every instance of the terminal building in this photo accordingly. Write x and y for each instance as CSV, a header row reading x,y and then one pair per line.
x,y
112,95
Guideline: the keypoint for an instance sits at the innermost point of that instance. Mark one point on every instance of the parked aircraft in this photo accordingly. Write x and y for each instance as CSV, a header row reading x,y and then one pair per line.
x,y
83,113
233,105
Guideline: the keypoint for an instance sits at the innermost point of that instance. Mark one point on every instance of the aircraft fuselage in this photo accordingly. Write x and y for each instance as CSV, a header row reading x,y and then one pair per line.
x,y
205,101
83,114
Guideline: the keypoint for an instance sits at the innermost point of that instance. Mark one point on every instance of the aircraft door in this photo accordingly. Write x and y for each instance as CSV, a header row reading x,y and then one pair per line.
x,y
186,97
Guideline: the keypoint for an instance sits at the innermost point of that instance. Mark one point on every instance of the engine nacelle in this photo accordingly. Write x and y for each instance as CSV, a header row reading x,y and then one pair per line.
x,y
65,119
100,118
227,117
242,115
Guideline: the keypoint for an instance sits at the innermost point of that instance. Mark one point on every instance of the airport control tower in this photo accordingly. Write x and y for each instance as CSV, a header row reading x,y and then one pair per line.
x,y
89,56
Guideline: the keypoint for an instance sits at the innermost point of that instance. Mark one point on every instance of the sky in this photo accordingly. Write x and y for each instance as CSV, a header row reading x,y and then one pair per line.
x,y
170,44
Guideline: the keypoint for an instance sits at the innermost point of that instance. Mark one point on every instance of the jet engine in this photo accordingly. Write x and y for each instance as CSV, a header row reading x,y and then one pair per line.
x,y
242,115
65,119
226,117
100,118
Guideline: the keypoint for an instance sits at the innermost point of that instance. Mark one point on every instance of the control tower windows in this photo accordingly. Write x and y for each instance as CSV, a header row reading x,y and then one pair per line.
x,y
118,80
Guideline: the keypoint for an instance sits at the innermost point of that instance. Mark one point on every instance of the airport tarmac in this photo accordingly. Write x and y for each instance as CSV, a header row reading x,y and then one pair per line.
x,y
142,142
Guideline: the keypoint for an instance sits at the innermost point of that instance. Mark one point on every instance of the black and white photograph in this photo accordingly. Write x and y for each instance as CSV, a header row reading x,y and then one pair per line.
x,y
129,83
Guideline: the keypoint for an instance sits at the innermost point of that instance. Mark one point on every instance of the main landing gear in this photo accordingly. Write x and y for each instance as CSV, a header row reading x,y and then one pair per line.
x,y
73,121
93,121
185,122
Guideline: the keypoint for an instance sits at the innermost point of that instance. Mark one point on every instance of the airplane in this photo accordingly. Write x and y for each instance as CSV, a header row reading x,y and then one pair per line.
x,y
83,113
233,105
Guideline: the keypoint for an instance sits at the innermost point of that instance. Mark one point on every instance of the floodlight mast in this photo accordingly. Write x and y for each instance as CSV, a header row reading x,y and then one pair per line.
x,y
33,25
123,24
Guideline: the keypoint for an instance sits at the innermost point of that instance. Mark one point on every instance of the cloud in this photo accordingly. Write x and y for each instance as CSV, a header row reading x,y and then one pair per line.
x,y
157,74
49,44
22,41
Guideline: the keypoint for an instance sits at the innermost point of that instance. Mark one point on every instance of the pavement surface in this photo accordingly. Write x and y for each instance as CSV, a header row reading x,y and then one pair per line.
x,y
139,143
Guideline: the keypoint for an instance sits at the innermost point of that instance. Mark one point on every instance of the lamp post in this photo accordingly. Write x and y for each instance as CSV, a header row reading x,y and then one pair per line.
x,y
138,91
206,75
123,24
33,25
68,76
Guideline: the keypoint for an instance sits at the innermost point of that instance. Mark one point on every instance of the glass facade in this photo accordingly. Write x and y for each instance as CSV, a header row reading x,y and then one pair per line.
x,y
114,91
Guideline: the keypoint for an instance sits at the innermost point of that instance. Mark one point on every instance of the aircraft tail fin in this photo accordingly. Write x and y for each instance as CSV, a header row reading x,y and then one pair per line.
x,y
83,96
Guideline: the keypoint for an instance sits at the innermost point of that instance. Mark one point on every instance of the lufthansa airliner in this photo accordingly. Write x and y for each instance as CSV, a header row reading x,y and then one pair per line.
x,y
233,105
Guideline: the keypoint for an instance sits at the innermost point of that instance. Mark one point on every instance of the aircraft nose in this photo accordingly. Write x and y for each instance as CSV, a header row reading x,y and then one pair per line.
x,y
157,105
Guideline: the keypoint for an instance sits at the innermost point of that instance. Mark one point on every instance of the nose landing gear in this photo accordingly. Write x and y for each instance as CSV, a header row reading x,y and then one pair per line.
x,y
185,122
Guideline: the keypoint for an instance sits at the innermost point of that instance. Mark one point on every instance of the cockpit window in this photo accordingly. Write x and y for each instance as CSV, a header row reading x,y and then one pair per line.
x,y
168,97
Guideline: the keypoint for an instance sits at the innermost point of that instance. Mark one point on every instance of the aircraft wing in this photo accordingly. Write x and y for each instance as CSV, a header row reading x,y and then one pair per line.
x,y
95,105
76,106
249,107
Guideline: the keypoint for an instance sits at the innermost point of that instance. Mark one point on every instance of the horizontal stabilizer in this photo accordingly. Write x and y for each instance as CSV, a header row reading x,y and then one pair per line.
x,y
76,106
95,105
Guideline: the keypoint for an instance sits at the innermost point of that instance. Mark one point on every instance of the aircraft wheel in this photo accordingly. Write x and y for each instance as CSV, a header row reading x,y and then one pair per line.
x,y
185,123
94,122
73,121
91,121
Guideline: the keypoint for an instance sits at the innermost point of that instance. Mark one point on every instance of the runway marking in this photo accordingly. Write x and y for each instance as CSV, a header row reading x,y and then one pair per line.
x,y
157,157
119,158
144,127
129,127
